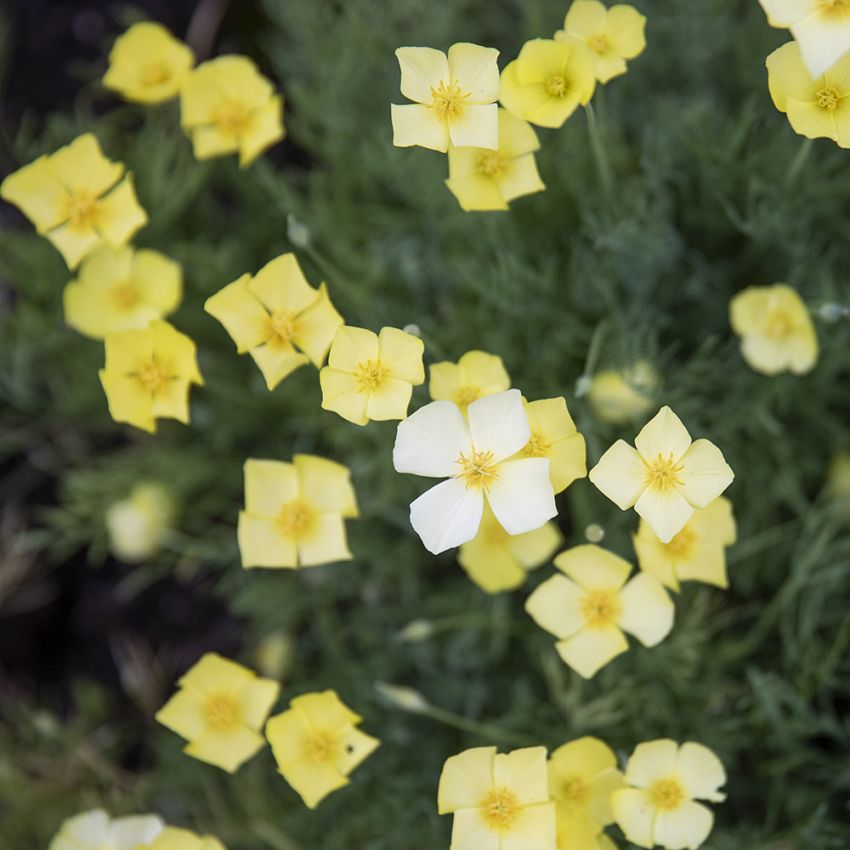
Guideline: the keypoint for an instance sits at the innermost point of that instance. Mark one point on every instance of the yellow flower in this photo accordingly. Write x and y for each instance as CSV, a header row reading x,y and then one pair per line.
x,y
660,806
95,830
496,560
121,289
172,838
227,105
821,28
838,481
371,376
666,478
148,374
294,512
454,98
582,775
274,311
316,744
483,179
219,709
147,64
499,800
696,553
613,35
477,374
619,397
77,199
138,524
591,605
548,80
554,436
776,330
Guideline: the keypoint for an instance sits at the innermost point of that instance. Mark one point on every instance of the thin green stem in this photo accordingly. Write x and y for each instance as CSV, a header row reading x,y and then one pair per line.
x,y
487,731
798,162
600,155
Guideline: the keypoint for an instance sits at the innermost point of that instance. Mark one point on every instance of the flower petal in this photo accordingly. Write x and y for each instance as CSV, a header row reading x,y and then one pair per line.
x,y
264,130
666,511
82,165
663,435
498,424
589,650
522,497
535,827
317,326
520,178
280,285
351,347
705,474
128,400
327,544
475,192
401,353
686,827
119,214
262,545
430,441
524,772
650,761
647,610
555,605
465,779
535,547
477,126
326,485
341,394
228,750
471,832
269,484
38,193
491,566
625,30
620,475
475,69
414,124
787,76
823,38
447,515
701,772
593,568
422,69
635,816
585,18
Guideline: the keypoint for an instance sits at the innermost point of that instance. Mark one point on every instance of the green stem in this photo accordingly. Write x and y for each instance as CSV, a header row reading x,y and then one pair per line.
x,y
798,162
600,155
487,731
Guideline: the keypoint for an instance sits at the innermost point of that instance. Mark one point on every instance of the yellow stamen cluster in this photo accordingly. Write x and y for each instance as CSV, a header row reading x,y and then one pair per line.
x,y
153,376
466,395
447,100
370,376
600,608
284,325
478,470
155,74
231,117
574,790
295,519
599,43
827,98
500,809
683,543
491,164
537,446
556,86
82,209
320,746
667,794
663,473
221,712
125,296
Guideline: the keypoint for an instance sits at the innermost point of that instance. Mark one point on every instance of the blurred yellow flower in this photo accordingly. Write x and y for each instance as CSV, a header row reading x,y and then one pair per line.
x,y
76,198
613,35
138,524
316,744
121,289
776,330
820,27
660,806
275,316
498,800
172,838
148,375
228,106
371,376
696,553
666,477
294,512
95,830
454,98
817,108
483,179
582,775
619,397
147,63
496,560
554,436
838,481
591,605
475,375
219,709
275,654
548,80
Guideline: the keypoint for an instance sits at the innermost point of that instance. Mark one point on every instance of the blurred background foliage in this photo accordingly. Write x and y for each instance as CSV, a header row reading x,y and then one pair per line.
x,y
711,192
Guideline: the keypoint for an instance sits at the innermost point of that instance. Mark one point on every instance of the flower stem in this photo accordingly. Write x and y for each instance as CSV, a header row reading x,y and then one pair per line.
x,y
798,162
600,156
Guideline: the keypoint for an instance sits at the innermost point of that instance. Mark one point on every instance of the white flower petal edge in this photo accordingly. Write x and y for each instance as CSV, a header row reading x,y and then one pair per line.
x,y
447,515
522,497
429,442
499,424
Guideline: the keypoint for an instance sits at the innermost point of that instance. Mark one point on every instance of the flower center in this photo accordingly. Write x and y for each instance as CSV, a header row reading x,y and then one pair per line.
x,y
491,164
153,376
663,473
667,794
284,325
155,74
500,808
231,117
82,209
221,712
537,446
477,470
601,608
827,98
125,296
296,519
320,745
598,43
466,395
777,325
370,375
682,543
447,100
574,790
556,86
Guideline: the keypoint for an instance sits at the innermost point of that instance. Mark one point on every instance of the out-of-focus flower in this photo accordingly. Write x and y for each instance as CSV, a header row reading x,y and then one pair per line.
x,y
228,106
121,289
477,374
776,330
172,838
147,64
76,198
548,81
316,744
660,807
454,97
613,35
275,316
148,374
666,477
220,709
95,830
696,553
484,179
619,397
591,605
371,376
294,512
838,481
275,654
407,699
138,524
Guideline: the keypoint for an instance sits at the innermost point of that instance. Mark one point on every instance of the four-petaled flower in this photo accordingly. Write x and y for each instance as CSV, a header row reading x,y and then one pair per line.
x,y
371,376
95,830
454,97
476,456
666,477
499,800
76,198
294,512
477,374
228,106
591,605
316,744
148,374
219,709
275,316
666,781
174,838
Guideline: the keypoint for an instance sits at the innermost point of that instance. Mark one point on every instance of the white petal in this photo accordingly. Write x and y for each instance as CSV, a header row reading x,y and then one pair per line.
x,y
498,424
685,828
634,815
620,475
705,474
664,435
431,440
134,831
823,40
700,771
647,609
521,497
665,511
447,515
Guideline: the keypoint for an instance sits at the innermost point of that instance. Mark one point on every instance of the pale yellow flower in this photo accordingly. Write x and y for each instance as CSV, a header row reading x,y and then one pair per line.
x,y
838,481
477,374
619,397
138,524
95,830
172,838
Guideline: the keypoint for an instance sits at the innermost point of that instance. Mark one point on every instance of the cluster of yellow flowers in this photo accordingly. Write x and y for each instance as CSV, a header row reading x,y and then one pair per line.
x,y
491,148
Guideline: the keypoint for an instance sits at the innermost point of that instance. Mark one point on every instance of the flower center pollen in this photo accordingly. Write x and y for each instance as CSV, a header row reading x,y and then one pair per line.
x,y
663,473
320,746
82,209
221,712
601,608
500,808
537,446
284,325
295,519
682,543
478,470
491,164
777,325
598,43
125,296
370,376
556,86
667,794
155,74
827,98
447,100
574,790
153,376
466,395
231,117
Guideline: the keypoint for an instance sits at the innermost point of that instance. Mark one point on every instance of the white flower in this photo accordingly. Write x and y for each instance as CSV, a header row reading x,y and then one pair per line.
x,y
438,442
95,830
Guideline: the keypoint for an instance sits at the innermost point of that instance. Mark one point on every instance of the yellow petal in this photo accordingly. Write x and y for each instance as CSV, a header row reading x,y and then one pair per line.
x,y
340,394
700,772
210,141
811,120
476,192
264,130
184,713
317,326
787,76
567,461
280,285
555,606
583,757
465,779
414,124
620,475
119,213
354,747
228,750
625,31
585,18
327,544
351,347
389,401
576,831
706,563
213,673
262,545
655,557
470,830
82,165
523,772
326,485
748,309
175,351
312,780
609,65
325,710
256,699
516,137
535,827
784,13
401,353
475,70
90,312
592,567
277,361
647,610
520,100
535,547
717,521
650,761
705,473
520,178
491,566
665,511
74,243
635,816
171,401
589,650
422,69
38,193
269,484
128,400
664,435
475,126
687,826
241,313
159,278
127,350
